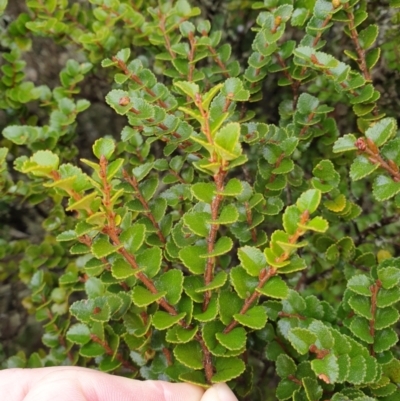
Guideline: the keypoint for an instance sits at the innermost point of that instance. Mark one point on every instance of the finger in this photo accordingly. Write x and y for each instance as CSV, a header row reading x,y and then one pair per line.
x,y
219,392
80,384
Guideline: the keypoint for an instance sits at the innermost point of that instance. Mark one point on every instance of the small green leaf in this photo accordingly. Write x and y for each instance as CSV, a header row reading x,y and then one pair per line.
x,y
386,317
102,247
163,320
227,369
142,171
221,247
324,337
326,366
243,283
372,57
133,237
171,282
234,340
307,104
299,16
233,188
94,287
229,215
233,89
217,282
326,177
66,236
385,188
286,388
345,144
252,260
275,287
188,88
226,142
209,314
143,297
368,36
360,284
273,258
291,218
150,261
121,269
382,131
78,333
285,366
313,390
389,277
197,222
301,339
189,354
385,339
254,318
317,224
191,258
123,55
194,377
91,350
104,147
360,328
203,191
309,201
361,305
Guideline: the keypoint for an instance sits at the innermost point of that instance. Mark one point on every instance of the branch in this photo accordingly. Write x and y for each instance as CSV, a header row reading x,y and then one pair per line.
x,y
135,185
265,275
354,36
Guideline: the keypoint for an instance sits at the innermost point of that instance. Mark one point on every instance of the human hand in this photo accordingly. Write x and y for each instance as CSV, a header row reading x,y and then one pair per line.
x,y
64,383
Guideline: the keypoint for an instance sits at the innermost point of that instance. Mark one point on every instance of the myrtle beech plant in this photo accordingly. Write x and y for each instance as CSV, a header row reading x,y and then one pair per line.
x,y
243,225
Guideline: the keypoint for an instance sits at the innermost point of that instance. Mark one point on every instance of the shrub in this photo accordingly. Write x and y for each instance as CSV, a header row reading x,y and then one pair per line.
x,y
243,225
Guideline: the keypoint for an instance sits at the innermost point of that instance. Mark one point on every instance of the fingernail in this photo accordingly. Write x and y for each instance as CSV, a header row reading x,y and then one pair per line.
x,y
219,392
224,392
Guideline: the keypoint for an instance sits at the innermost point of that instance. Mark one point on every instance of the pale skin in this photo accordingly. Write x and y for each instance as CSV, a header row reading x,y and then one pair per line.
x,y
81,384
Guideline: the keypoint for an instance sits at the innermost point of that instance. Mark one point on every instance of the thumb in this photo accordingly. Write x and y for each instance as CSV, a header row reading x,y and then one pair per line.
x,y
219,392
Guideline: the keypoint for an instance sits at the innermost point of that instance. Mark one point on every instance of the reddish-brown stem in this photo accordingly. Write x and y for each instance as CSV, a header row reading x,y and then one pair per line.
x,y
316,62
108,350
215,206
265,275
72,193
293,238
368,146
107,193
216,58
306,127
177,176
165,35
141,276
207,359
282,63
374,294
122,66
294,379
319,353
249,219
135,185
354,36
206,124
291,315
168,356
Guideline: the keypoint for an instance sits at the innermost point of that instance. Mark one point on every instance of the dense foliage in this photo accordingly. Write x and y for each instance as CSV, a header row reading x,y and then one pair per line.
x,y
243,225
